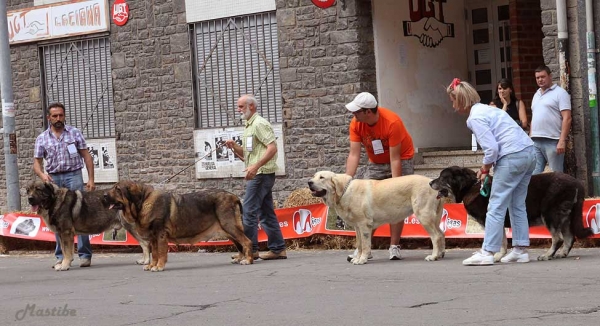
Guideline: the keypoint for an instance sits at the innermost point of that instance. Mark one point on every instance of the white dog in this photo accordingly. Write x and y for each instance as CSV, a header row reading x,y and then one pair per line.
x,y
367,204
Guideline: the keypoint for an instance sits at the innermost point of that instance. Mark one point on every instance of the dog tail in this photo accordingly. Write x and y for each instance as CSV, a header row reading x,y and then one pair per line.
x,y
577,216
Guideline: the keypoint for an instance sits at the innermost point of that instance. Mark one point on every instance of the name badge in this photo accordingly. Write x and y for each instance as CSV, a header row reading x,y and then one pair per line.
x,y
377,146
71,148
249,143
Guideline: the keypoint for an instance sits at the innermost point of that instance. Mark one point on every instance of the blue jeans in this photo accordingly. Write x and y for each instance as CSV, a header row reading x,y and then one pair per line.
x,y
73,181
512,173
545,151
258,205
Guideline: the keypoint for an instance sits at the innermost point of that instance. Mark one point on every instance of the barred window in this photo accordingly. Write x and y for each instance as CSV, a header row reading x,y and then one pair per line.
x,y
236,56
77,74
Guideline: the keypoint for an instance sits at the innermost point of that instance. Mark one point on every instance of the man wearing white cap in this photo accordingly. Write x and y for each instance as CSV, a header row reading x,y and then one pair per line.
x,y
388,145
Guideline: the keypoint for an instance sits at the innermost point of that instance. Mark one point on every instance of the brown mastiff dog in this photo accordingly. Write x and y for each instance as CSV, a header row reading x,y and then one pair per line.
x,y
68,212
161,217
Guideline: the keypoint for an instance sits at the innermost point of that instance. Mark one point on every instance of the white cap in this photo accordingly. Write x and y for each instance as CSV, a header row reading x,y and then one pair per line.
x,y
364,100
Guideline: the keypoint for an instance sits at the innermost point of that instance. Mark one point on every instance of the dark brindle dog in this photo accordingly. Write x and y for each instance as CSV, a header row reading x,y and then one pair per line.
x,y
161,217
553,199
68,212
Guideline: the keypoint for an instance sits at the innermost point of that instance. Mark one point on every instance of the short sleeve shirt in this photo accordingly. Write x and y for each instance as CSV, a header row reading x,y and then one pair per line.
x,y
390,130
257,135
61,154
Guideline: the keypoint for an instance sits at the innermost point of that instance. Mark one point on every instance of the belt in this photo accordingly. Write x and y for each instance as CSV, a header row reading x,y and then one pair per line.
x,y
63,172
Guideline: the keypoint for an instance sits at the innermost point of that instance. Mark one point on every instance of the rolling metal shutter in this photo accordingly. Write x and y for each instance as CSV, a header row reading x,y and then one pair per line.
x,y
236,56
78,74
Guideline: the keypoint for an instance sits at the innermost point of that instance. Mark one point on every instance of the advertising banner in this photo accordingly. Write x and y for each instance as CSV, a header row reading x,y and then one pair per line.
x,y
300,222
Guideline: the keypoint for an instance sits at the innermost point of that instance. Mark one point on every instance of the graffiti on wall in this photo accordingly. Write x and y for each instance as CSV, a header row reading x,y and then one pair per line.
x,y
427,22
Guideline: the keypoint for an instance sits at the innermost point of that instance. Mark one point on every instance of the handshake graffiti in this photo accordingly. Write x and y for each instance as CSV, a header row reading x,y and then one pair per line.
x,y
429,30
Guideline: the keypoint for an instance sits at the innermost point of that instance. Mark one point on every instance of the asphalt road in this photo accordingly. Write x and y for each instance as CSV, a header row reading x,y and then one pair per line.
x,y
309,288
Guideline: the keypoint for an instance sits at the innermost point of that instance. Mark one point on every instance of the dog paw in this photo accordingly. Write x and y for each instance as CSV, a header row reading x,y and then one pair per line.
x,y
157,269
431,258
498,256
561,255
544,258
60,268
147,267
245,262
359,261
142,262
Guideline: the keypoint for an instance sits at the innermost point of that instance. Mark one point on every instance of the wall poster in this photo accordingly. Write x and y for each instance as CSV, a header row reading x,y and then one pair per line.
x,y
104,156
214,160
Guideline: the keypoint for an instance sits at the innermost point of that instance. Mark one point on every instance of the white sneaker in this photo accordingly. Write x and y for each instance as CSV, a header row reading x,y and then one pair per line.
x,y
350,257
395,252
479,258
516,257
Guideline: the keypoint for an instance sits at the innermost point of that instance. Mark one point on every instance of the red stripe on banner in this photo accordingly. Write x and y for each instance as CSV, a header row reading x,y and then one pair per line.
x,y
300,222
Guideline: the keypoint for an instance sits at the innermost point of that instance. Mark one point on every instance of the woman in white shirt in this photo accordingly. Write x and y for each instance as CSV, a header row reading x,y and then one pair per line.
x,y
510,151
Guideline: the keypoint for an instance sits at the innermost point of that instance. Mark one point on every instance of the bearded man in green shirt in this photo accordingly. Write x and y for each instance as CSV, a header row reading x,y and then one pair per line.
x,y
259,152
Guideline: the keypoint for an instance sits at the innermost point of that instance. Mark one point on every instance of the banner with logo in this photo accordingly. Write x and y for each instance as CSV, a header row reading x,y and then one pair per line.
x,y
301,222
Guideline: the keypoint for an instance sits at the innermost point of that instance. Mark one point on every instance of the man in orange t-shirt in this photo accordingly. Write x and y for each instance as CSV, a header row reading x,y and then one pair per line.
x,y
388,145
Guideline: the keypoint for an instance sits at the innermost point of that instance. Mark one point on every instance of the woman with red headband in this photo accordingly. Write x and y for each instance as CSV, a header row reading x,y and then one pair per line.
x,y
510,151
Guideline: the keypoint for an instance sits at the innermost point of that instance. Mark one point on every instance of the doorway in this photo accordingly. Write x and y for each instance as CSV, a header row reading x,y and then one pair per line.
x,y
488,45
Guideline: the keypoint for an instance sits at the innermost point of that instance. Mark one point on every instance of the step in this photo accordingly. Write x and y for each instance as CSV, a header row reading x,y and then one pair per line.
x,y
449,158
433,170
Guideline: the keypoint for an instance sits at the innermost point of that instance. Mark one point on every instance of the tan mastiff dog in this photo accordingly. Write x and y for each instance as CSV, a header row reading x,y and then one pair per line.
x,y
367,204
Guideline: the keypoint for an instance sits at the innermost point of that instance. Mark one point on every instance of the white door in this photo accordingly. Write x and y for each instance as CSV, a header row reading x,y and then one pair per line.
x,y
488,45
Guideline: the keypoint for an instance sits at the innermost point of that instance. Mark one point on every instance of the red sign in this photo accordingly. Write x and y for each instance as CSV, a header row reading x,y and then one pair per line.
x,y
323,3
120,12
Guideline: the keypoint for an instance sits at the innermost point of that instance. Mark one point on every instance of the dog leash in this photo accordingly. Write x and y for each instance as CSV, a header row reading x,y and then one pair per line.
x,y
486,187
346,188
196,161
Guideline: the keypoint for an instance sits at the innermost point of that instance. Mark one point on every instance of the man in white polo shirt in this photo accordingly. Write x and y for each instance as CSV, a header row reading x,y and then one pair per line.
x,y
550,122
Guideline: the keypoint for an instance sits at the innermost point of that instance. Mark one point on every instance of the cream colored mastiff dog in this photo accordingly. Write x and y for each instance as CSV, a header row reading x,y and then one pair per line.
x,y
367,204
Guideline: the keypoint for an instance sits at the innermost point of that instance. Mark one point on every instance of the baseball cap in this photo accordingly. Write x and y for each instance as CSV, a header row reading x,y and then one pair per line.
x,y
364,100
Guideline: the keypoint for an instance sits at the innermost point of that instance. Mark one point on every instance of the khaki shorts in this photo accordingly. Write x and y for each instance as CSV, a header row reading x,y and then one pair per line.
x,y
383,171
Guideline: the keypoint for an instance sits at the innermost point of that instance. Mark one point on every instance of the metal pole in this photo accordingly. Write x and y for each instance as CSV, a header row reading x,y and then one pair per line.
x,y
592,93
8,116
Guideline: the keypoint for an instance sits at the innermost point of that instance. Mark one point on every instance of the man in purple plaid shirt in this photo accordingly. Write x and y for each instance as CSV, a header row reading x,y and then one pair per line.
x,y
63,147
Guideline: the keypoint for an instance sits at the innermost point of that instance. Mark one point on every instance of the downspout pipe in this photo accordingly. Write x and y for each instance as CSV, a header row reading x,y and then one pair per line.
x,y
563,45
592,93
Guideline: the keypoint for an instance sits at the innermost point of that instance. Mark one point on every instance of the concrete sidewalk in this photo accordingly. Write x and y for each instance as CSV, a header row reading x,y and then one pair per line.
x,y
310,288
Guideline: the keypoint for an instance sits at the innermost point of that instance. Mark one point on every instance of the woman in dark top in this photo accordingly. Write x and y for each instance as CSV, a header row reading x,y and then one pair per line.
x,y
507,101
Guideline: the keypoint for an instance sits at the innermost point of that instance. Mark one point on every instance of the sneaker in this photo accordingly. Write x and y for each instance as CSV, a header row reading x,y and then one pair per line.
x,y
479,258
516,256
269,255
85,262
351,256
395,252
254,255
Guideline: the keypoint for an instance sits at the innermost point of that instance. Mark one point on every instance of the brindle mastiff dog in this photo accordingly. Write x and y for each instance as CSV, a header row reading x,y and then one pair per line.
x,y
68,212
161,217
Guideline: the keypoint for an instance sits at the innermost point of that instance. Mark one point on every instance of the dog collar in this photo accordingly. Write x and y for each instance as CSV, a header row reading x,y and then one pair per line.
x,y
346,188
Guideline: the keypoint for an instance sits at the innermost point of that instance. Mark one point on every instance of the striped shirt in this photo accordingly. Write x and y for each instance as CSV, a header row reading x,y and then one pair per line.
x,y
259,130
56,150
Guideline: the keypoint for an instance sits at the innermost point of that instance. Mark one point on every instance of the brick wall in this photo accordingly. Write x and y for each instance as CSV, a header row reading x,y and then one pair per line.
x,y
29,116
326,57
526,45
576,159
